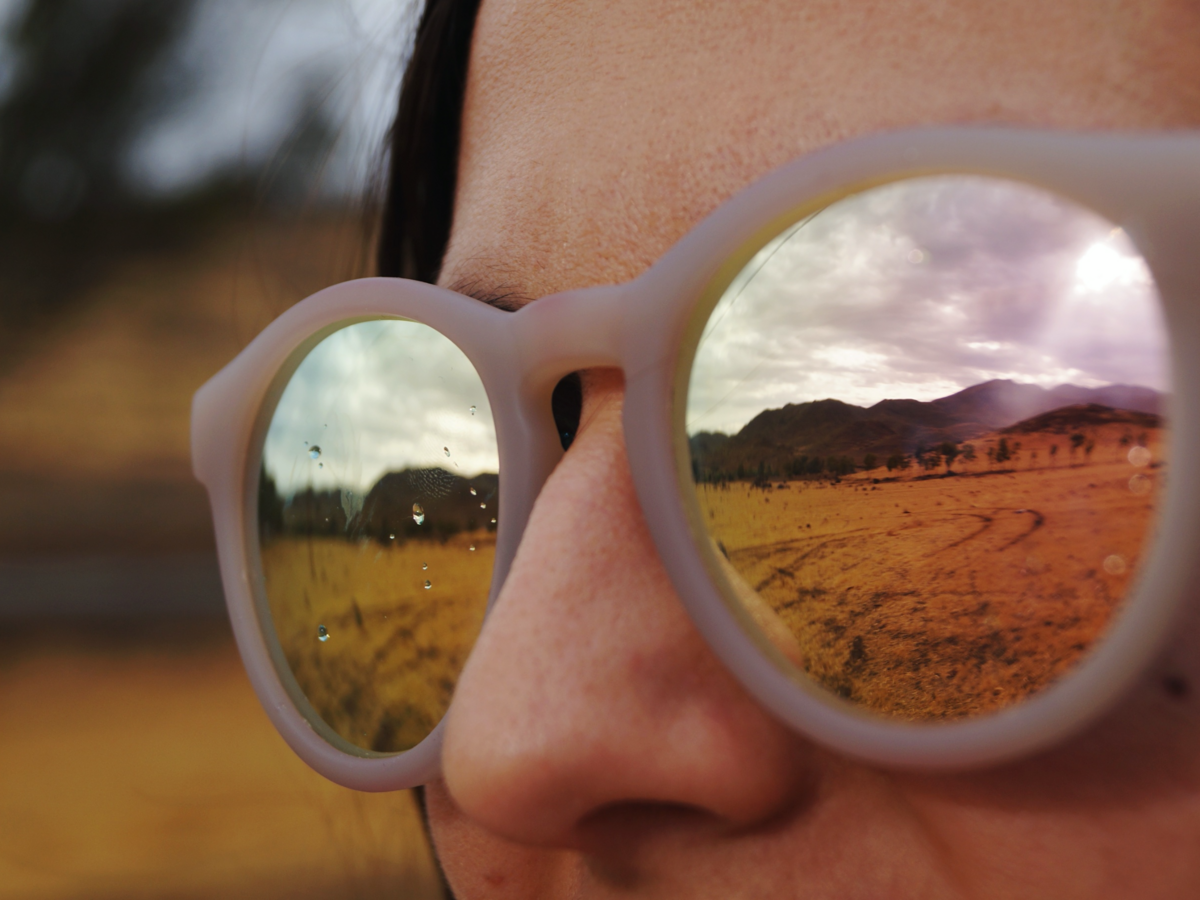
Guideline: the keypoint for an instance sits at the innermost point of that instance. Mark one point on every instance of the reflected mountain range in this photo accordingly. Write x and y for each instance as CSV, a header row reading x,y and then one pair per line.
x,y
832,428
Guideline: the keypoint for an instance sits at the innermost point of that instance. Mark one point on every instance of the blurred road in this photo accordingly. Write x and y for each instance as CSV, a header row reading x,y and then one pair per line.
x,y
172,585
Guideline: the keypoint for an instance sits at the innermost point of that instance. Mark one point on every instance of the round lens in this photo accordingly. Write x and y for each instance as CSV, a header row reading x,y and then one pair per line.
x,y
927,439
377,506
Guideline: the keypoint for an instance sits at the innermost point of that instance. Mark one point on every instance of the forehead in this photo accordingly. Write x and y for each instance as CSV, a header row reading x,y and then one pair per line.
x,y
596,134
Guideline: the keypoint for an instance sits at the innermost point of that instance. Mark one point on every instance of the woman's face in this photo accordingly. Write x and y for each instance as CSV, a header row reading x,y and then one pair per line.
x,y
596,747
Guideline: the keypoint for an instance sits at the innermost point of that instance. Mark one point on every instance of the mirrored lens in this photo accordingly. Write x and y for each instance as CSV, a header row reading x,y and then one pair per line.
x,y
377,515
927,439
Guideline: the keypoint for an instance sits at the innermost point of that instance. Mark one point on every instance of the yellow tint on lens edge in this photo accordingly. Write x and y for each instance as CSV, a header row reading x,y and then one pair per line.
x,y
927,438
377,515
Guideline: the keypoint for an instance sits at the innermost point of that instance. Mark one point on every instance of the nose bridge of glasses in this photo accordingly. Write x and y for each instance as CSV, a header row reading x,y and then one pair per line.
x,y
574,330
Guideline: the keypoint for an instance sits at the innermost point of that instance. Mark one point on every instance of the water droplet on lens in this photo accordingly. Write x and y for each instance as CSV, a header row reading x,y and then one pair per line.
x,y
424,566
1114,565
314,452
1140,484
472,410
483,506
418,513
320,465
493,521
474,493
916,256
447,449
1140,456
471,548
322,633
428,584
391,537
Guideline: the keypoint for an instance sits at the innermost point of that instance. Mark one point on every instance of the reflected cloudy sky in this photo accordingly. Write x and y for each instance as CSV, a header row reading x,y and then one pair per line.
x,y
377,397
922,288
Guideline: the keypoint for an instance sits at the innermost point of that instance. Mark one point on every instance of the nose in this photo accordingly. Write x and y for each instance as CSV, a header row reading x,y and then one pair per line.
x,y
590,702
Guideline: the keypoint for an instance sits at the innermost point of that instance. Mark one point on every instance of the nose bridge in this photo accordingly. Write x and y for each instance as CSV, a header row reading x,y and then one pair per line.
x,y
574,330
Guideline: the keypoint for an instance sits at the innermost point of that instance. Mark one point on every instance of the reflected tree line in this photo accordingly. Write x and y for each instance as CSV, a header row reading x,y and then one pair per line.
x,y
412,504
939,458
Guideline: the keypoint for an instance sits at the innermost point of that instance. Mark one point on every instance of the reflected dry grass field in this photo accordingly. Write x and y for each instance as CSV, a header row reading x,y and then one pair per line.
x,y
947,596
383,676
139,764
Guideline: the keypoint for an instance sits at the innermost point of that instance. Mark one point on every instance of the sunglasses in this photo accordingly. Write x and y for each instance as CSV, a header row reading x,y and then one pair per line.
x,y
897,419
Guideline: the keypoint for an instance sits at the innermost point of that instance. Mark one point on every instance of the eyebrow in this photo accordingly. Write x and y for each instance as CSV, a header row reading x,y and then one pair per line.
x,y
498,294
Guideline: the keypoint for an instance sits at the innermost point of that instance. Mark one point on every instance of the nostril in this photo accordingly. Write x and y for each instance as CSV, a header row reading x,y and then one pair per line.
x,y
566,403
615,830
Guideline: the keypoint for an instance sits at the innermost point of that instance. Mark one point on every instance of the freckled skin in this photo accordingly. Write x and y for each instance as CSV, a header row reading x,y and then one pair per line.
x,y
596,748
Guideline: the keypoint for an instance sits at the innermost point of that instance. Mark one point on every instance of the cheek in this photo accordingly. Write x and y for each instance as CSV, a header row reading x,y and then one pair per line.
x,y
479,864
1114,811
1146,749
1145,752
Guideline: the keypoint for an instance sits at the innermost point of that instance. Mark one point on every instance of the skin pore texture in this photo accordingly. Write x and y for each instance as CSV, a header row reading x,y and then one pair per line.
x,y
596,748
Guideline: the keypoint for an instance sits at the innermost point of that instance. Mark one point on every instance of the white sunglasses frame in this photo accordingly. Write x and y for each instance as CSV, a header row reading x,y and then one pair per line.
x,y
1147,184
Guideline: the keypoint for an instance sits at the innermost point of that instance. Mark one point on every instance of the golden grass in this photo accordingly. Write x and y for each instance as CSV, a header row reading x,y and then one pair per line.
x,y
946,597
384,676
145,767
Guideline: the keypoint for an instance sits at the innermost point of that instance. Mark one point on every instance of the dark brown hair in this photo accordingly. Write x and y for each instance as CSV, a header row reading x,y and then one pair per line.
x,y
419,199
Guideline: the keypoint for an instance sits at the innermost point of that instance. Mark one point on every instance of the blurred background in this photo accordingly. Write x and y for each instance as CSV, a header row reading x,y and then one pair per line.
x,y
173,175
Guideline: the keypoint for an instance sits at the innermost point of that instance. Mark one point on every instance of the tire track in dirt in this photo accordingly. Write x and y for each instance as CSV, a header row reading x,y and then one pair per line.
x,y
759,553
988,521
766,551
1038,521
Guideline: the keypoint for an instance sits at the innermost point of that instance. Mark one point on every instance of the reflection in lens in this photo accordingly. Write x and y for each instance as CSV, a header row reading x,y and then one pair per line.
x,y
927,439
376,558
